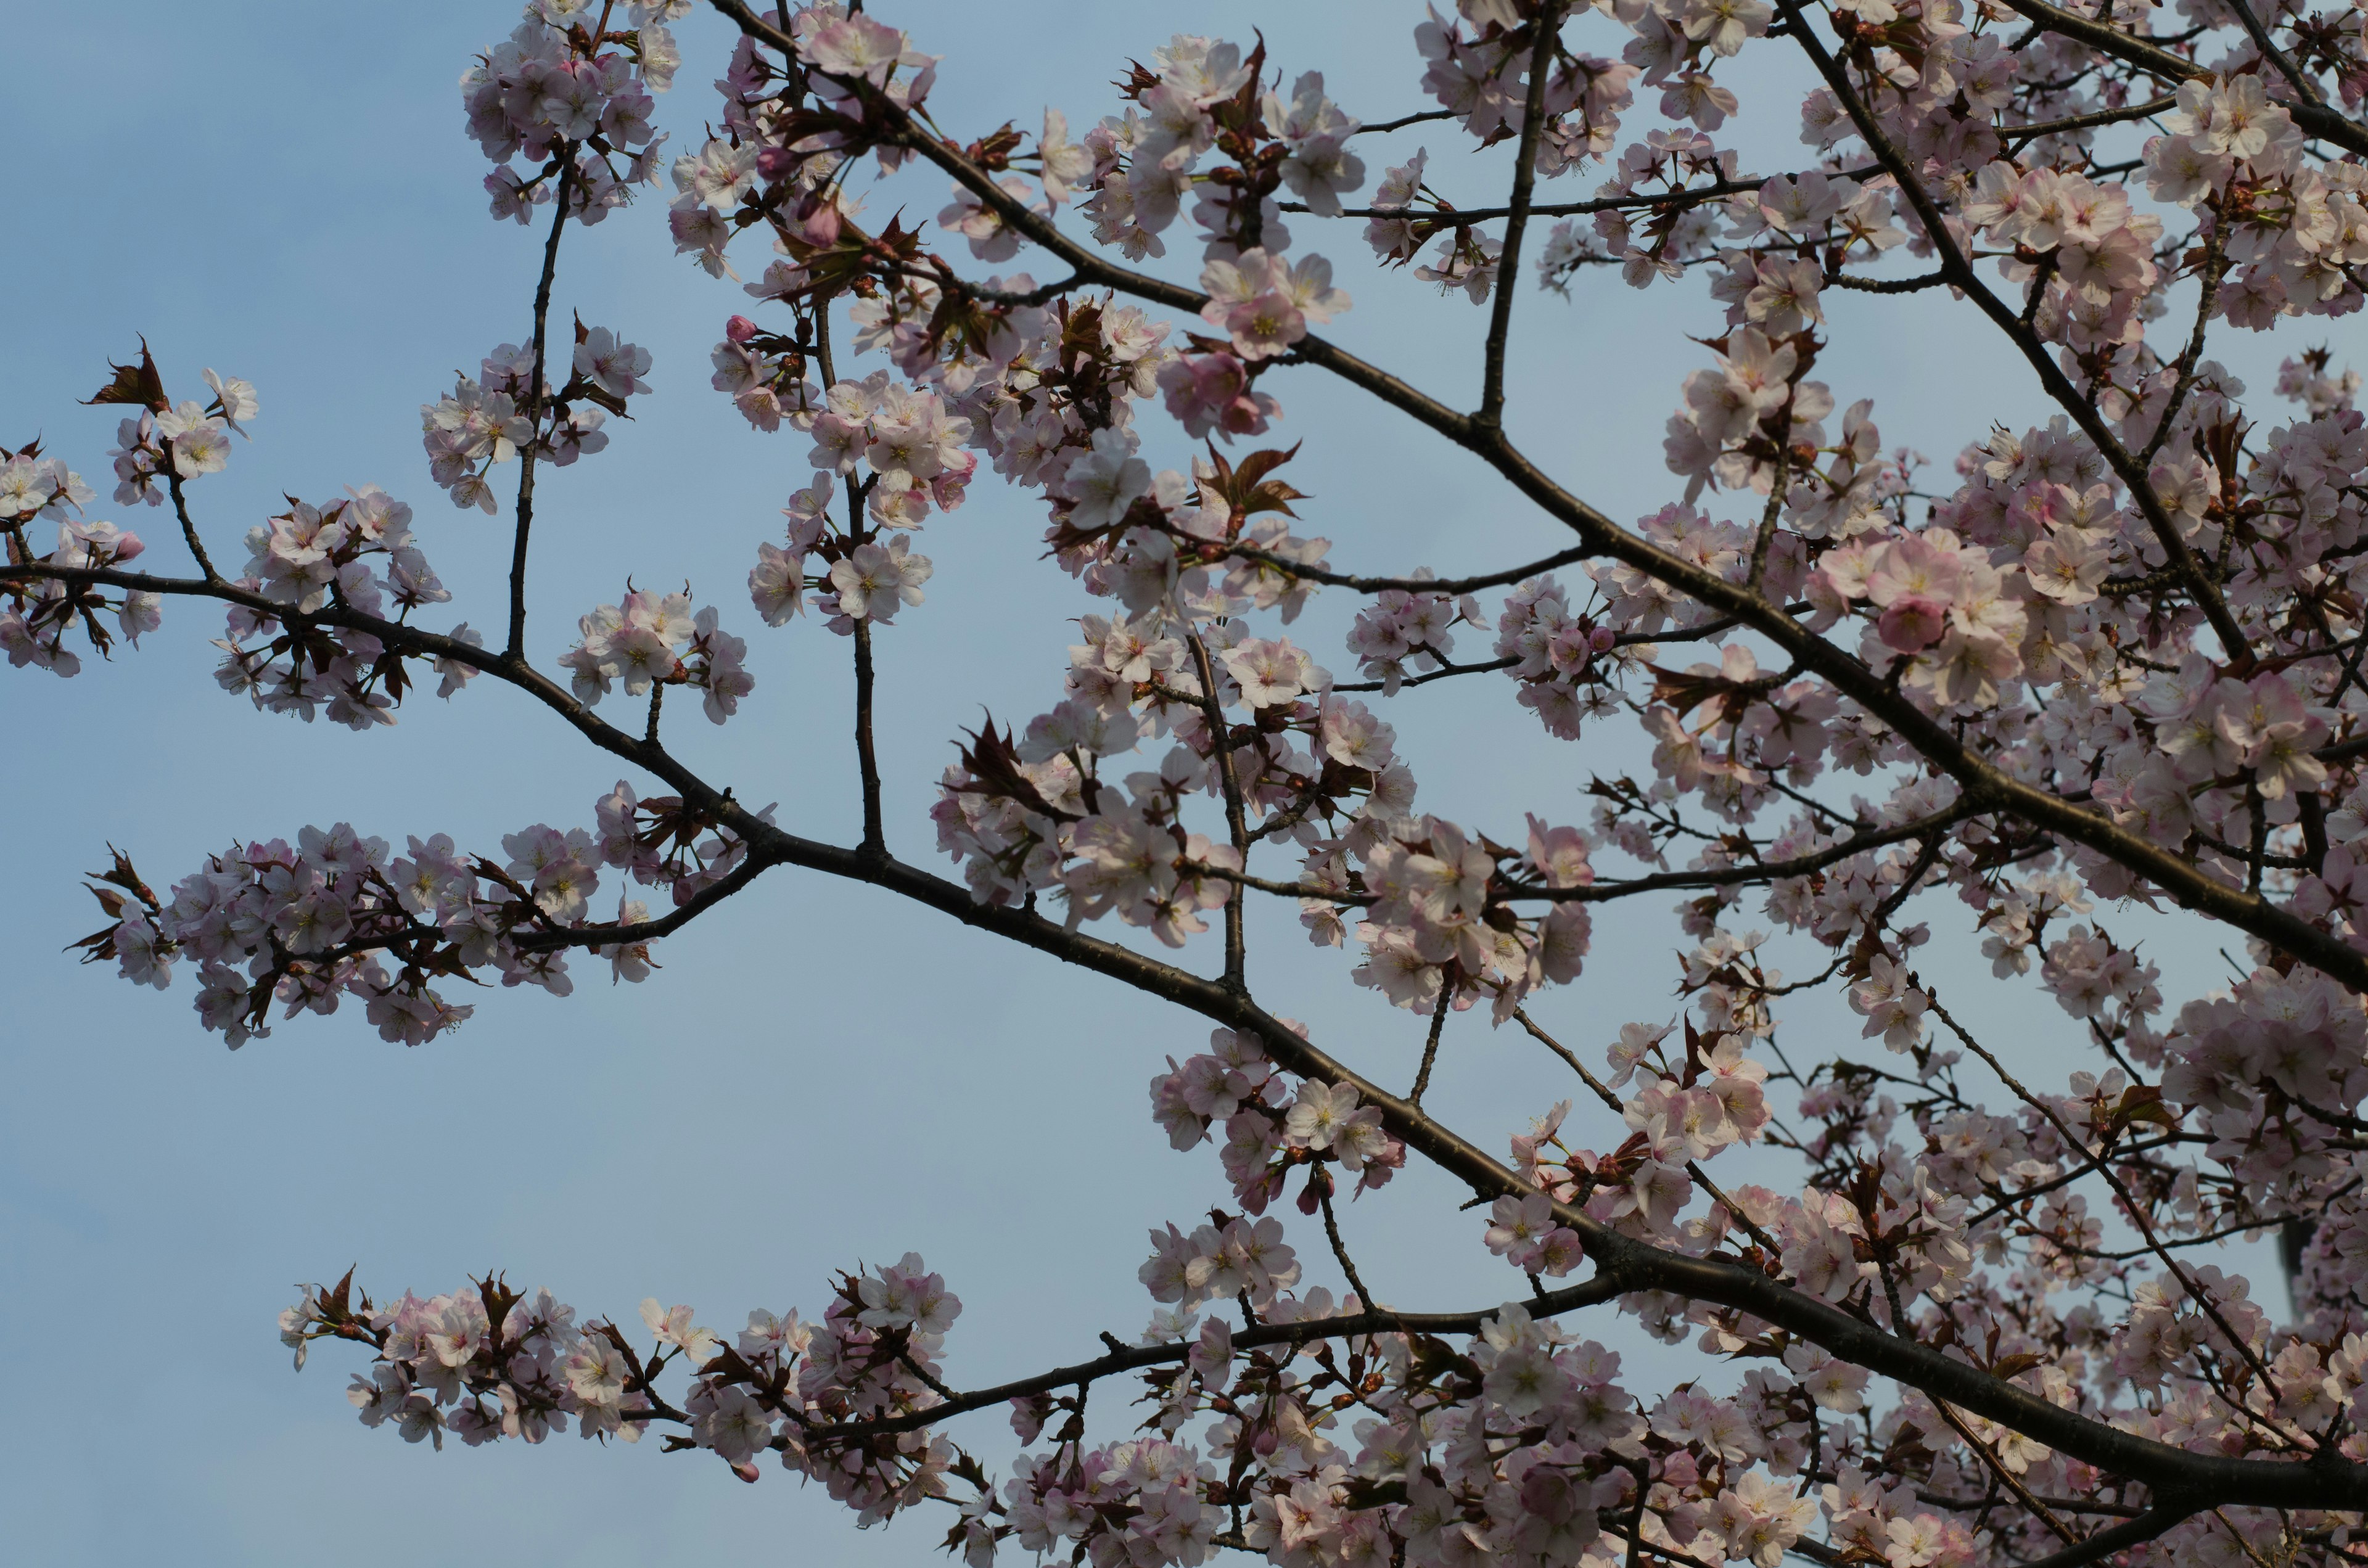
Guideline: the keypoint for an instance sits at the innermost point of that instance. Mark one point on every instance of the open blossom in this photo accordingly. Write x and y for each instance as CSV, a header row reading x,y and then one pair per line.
x,y
876,580
1265,303
613,364
855,46
776,584
196,439
1271,672
673,1325
235,399
1106,482
1893,1007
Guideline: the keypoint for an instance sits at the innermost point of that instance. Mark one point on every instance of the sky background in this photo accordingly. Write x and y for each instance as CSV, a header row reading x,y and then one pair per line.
x,y
820,1076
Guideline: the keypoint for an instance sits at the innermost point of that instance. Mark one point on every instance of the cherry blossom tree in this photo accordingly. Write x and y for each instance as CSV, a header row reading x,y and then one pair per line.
x,y
2107,673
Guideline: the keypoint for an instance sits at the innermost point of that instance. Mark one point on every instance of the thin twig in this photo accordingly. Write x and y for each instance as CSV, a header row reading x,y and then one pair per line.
x,y
188,529
1431,1045
1509,259
515,647
1221,742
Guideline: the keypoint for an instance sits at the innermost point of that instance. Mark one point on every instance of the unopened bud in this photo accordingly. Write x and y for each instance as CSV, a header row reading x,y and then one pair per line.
x,y
818,221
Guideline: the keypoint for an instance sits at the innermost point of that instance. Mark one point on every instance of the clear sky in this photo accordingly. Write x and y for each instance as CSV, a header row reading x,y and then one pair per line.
x,y
819,1075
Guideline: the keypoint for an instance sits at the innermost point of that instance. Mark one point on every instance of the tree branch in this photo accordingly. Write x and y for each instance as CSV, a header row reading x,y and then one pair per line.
x,y
1517,221
2019,331
515,647
2149,56
1302,1332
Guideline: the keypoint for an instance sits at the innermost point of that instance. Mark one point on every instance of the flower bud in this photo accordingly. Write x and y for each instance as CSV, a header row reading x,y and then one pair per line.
x,y
817,221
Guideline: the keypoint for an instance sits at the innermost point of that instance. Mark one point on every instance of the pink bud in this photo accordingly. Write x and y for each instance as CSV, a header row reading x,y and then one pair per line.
x,y
128,545
775,161
817,221
739,329
1601,639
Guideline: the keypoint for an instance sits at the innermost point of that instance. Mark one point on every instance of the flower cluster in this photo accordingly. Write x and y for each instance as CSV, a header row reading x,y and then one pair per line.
x,y
572,104
1405,626
502,414
355,555
338,915
488,1362
188,439
35,618
655,639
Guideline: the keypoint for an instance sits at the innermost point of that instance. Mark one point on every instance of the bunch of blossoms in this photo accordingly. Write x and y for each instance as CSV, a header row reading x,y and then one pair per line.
x,y
167,442
774,165
488,1362
1029,386
171,441
1439,930
37,617
180,442
1743,423
764,374
1407,627
1554,654
1476,67
2293,232
484,1362
905,438
1200,95
2115,663
907,441
1035,812
306,558
338,915
1030,814
1636,602
1035,385
303,926
1680,227
2306,380
502,414
571,98
1268,1131
663,841
1157,542
653,640
1773,280
1580,104
2101,252
33,488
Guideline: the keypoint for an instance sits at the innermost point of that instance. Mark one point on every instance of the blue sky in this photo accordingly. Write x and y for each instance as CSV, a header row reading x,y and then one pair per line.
x,y
819,1075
